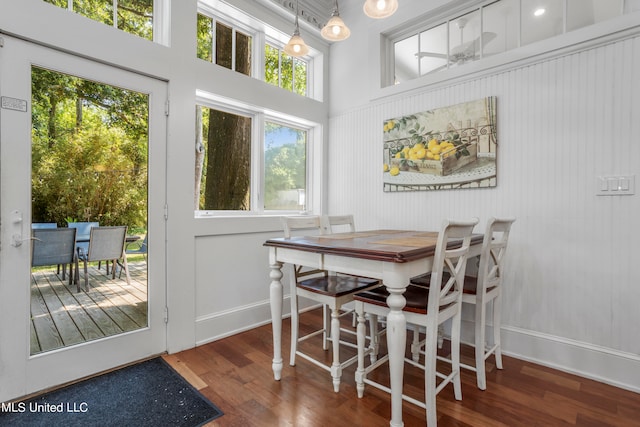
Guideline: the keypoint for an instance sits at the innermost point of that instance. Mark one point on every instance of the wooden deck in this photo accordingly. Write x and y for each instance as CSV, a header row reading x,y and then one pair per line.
x,y
62,317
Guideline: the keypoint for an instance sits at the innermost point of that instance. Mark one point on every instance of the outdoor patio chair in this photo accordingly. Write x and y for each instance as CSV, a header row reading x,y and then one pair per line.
x,y
43,225
137,248
84,230
38,225
54,246
105,244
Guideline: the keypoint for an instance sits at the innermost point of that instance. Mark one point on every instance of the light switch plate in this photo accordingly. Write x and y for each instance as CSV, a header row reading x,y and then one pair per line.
x,y
616,185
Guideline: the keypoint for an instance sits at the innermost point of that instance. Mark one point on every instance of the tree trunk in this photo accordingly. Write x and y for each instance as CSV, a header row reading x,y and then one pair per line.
x,y
199,157
78,114
51,124
228,162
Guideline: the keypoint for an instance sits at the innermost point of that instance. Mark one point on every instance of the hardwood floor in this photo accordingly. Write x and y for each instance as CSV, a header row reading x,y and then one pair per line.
x,y
60,316
235,373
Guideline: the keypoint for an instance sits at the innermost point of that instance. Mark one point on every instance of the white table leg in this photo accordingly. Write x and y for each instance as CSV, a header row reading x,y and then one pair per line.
x,y
275,294
336,369
396,342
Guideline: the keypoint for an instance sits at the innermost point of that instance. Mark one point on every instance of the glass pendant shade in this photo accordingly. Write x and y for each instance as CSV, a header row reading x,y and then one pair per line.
x,y
296,46
379,9
335,29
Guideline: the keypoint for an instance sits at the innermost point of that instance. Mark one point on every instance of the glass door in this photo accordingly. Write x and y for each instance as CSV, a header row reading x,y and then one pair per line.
x,y
82,145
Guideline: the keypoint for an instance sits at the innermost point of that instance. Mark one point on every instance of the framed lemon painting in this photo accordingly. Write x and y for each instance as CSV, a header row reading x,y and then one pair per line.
x,y
445,148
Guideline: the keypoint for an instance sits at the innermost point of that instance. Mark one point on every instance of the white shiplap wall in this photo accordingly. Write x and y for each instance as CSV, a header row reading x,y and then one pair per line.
x,y
573,281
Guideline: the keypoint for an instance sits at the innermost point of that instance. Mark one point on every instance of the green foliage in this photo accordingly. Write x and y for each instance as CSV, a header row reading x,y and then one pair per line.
x,y
271,59
134,16
300,77
89,151
205,38
285,71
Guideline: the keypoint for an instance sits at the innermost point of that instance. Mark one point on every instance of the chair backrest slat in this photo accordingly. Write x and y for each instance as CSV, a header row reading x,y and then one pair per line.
x,y
494,246
292,223
334,223
451,252
312,223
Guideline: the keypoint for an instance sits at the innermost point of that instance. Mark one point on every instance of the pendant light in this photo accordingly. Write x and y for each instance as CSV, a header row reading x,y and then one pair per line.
x,y
335,30
379,9
296,46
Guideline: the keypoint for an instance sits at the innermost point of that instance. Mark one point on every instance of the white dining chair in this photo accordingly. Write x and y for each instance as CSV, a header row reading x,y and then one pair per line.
x,y
330,290
486,288
479,290
428,308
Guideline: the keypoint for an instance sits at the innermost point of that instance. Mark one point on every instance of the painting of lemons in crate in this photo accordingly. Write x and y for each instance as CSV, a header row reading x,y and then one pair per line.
x,y
454,146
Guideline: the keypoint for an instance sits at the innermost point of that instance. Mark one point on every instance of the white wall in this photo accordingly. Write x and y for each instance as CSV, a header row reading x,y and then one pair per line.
x,y
563,119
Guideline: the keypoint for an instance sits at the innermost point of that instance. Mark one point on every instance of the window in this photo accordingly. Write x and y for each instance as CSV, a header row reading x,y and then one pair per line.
x,y
224,44
223,161
285,167
235,40
582,13
132,16
284,71
489,28
249,161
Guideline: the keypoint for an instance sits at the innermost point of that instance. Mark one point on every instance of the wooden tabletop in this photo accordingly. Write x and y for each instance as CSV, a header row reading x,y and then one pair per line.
x,y
381,245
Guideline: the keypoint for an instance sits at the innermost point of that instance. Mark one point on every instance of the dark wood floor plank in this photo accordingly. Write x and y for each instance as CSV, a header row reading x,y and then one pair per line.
x,y
238,377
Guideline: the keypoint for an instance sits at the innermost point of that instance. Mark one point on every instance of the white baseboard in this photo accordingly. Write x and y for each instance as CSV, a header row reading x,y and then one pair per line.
x,y
223,324
586,360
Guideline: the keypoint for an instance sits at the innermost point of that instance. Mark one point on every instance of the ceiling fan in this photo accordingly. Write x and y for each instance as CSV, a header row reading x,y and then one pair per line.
x,y
466,51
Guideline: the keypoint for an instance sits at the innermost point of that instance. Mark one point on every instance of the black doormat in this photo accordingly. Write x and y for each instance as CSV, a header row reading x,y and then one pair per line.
x,y
150,393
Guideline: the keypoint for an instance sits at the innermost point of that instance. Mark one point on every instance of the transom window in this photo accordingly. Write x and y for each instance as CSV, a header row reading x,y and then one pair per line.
x,y
285,71
224,44
132,16
490,28
239,42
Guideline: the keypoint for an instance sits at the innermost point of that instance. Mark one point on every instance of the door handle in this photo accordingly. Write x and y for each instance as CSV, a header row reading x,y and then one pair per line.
x,y
16,224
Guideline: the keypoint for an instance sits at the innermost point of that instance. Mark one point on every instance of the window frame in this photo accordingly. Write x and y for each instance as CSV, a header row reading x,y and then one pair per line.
x,y
446,15
160,26
264,34
279,46
236,26
259,116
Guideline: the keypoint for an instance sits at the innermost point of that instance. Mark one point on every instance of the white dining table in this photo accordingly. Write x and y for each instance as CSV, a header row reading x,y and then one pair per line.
x,y
393,256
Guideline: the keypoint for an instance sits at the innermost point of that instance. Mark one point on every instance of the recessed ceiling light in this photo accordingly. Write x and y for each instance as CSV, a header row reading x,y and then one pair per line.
x,y
539,11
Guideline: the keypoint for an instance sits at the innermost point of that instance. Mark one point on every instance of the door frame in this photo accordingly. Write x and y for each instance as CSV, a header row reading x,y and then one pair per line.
x,y
20,373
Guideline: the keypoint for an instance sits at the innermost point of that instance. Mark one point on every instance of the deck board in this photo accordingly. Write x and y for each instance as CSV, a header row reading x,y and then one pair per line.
x,y
60,316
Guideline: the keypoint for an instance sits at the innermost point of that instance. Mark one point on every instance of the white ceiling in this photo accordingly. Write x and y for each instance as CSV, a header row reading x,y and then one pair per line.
x,y
315,12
